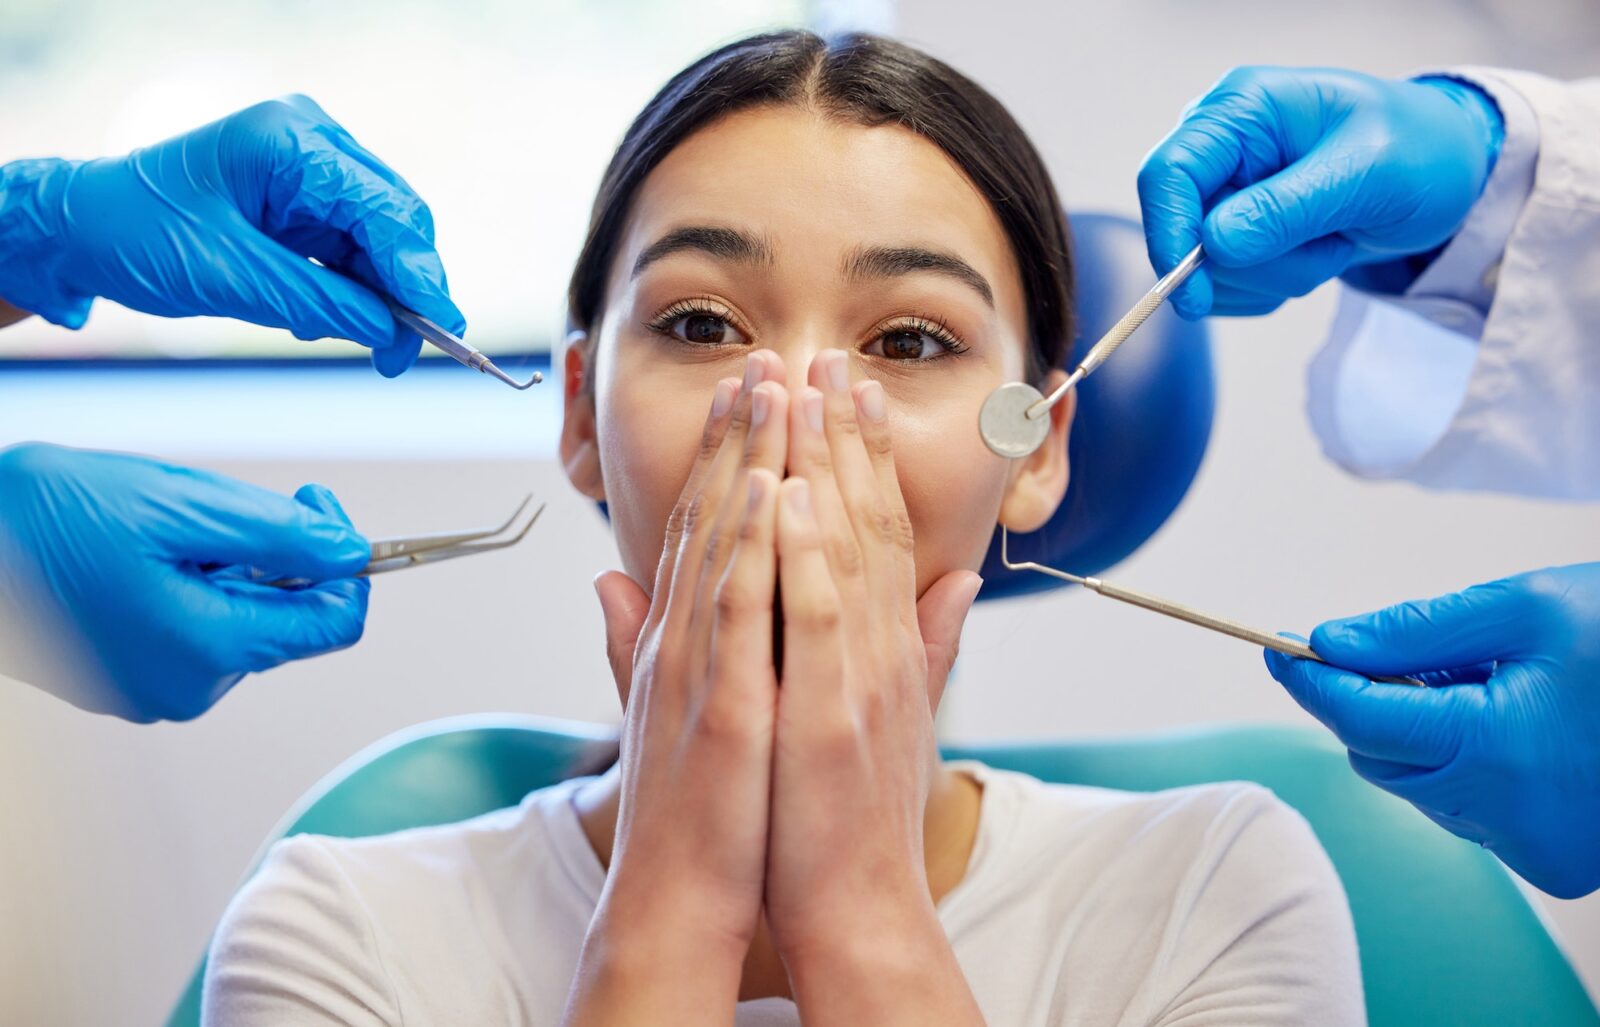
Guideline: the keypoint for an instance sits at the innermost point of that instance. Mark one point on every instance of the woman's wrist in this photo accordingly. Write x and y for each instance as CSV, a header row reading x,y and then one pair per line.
x,y
834,933
884,908
898,968
626,950
654,963
681,901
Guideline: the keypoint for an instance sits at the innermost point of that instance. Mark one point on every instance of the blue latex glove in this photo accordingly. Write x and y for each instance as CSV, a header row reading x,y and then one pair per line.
x,y
1289,177
222,221
1506,752
120,585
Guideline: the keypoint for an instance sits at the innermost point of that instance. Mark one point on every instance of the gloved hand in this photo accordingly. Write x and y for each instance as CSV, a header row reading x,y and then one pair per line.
x,y
1506,751
222,221
115,587
1289,177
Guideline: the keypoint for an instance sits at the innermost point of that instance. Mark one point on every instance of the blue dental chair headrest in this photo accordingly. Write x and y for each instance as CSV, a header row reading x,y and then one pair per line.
x,y
1142,424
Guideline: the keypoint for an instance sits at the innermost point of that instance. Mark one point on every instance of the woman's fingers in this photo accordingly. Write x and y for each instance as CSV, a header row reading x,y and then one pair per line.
x,y
765,445
876,515
716,426
813,651
625,607
941,612
742,677
716,464
765,449
884,506
811,458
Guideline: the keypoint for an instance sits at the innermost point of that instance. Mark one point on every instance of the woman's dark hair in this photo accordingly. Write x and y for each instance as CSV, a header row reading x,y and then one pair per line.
x,y
872,81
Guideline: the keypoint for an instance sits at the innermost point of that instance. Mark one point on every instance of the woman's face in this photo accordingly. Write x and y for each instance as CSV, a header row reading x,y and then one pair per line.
x,y
782,229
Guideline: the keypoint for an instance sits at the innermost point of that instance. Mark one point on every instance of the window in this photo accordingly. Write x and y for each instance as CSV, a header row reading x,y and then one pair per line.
x,y
501,114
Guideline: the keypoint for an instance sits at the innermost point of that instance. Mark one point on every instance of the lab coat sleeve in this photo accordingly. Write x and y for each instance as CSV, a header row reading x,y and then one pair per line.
x,y
1483,374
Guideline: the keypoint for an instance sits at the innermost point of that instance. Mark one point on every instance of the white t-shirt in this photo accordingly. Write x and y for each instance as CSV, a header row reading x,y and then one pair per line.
x,y
1210,905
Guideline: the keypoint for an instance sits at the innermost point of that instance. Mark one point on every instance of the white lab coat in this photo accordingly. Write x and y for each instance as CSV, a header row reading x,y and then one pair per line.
x,y
1485,374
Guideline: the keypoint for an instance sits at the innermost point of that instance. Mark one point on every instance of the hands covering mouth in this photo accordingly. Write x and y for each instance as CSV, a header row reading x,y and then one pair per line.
x,y
798,792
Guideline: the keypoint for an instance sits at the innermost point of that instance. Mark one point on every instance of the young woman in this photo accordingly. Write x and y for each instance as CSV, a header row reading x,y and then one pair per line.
x,y
809,262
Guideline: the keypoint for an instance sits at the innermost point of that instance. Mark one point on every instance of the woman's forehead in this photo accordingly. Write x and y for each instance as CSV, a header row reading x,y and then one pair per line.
x,y
814,187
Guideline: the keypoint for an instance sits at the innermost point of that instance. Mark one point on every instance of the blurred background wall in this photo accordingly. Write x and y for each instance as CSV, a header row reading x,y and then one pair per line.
x,y
120,844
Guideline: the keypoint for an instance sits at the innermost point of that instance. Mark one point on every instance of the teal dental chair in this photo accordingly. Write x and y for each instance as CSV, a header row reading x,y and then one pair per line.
x,y
1446,936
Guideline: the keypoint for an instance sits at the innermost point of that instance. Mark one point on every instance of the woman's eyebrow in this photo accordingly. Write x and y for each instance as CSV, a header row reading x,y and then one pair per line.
x,y
722,243
893,261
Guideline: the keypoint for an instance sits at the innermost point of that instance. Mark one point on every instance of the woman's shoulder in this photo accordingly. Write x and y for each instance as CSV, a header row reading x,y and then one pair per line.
x,y
1186,806
1200,895
1181,829
406,916
413,863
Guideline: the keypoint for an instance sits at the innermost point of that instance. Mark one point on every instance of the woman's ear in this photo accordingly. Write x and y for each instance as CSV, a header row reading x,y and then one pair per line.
x,y
1039,480
580,445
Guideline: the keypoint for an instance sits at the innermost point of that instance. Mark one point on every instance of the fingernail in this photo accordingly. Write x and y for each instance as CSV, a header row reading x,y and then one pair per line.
x,y
757,488
722,401
760,400
872,402
838,370
813,408
752,372
800,496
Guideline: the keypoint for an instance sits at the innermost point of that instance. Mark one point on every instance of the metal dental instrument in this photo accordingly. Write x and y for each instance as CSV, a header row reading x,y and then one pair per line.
x,y
452,344
1143,600
396,554
1013,420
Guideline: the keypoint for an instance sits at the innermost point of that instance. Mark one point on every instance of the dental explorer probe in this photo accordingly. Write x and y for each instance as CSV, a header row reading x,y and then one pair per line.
x,y
1166,607
1013,420
452,344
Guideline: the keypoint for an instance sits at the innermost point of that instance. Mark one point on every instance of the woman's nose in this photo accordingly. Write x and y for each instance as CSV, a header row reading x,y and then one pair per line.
x,y
768,365
797,360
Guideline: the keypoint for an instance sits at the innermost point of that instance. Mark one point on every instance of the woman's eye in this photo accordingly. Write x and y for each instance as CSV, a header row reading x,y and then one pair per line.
x,y
705,330
906,344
